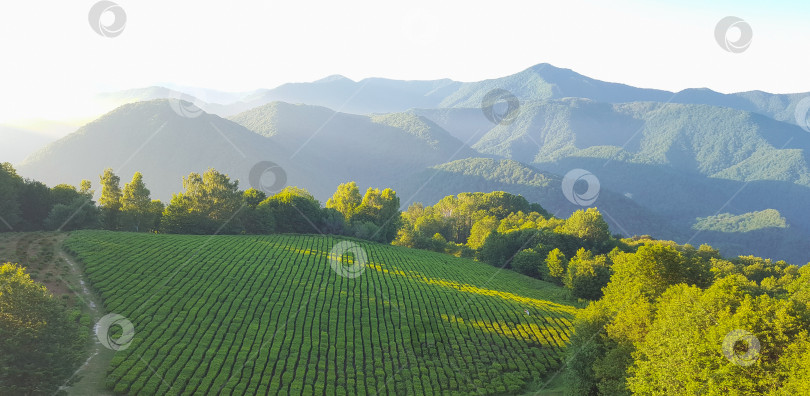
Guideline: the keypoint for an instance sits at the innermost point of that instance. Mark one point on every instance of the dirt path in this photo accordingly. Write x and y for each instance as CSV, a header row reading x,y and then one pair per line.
x,y
89,378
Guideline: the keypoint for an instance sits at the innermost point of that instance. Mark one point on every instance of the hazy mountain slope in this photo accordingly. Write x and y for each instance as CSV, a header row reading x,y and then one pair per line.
x,y
136,95
781,107
371,95
544,81
467,124
536,83
151,138
372,150
317,148
17,143
747,222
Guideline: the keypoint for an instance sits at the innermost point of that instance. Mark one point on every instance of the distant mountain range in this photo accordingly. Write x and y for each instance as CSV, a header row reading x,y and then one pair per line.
x,y
698,166
380,95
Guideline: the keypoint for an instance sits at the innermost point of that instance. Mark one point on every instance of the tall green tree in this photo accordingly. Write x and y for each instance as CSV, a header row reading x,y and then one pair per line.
x,y
64,194
346,200
381,208
480,230
589,226
587,274
179,217
529,262
136,205
253,197
86,189
10,185
35,205
556,264
110,201
257,218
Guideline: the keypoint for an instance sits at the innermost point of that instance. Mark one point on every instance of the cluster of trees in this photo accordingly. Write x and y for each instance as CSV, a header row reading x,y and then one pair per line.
x,y
507,231
680,320
28,205
375,216
210,203
459,224
575,252
40,343
130,208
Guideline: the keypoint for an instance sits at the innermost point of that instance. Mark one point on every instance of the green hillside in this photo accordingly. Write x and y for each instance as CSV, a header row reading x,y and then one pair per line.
x,y
746,222
258,314
711,141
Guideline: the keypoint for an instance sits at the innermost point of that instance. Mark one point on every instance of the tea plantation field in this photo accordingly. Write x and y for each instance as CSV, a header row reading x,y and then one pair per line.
x,y
292,314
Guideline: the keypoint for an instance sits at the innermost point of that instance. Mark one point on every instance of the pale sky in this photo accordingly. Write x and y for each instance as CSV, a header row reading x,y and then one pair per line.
x,y
52,60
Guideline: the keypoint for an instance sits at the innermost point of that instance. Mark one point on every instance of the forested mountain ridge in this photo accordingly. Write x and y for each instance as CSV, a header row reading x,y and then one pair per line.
x,y
709,140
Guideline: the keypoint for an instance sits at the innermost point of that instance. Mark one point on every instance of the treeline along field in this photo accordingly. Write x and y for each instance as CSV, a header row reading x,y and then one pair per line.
x,y
268,315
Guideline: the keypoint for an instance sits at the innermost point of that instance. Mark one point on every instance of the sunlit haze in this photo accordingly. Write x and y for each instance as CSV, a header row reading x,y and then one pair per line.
x,y
54,62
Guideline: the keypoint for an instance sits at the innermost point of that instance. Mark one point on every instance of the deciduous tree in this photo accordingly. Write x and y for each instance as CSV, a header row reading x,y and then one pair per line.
x,y
110,201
